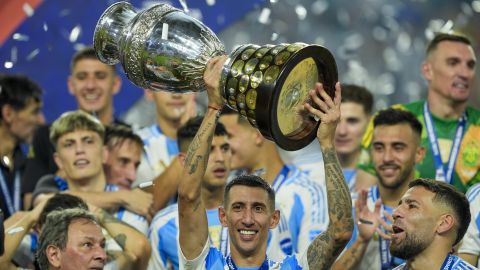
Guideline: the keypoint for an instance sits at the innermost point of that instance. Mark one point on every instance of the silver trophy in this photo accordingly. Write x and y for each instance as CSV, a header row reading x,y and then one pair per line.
x,y
163,49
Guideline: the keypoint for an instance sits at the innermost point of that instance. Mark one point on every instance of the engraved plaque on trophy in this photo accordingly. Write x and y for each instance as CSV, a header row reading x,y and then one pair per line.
x,y
163,49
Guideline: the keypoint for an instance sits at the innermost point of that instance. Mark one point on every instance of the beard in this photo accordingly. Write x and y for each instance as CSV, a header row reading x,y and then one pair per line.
x,y
400,180
411,246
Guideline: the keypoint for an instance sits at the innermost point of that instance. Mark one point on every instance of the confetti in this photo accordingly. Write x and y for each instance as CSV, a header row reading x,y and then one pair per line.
x,y
14,54
28,9
33,54
20,37
75,33
184,5
301,12
8,64
274,37
264,16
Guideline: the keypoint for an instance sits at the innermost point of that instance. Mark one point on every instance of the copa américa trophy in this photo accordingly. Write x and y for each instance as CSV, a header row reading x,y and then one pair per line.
x,y
163,49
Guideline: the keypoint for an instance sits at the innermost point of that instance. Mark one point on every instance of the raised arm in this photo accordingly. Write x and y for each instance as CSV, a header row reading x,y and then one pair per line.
x,y
15,231
323,251
193,224
367,223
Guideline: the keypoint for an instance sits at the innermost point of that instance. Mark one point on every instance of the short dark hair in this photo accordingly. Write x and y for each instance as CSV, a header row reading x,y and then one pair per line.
x,y
116,134
86,53
17,91
440,37
250,180
452,198
358,94
187,132
391,116
58,202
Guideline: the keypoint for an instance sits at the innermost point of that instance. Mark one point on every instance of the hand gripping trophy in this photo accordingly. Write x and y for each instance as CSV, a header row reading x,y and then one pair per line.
x,y
163,49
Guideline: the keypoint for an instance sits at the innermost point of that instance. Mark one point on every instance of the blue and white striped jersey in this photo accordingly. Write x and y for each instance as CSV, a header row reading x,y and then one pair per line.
x,y
212,259
471,241
303,202
451,262
163,236
159,151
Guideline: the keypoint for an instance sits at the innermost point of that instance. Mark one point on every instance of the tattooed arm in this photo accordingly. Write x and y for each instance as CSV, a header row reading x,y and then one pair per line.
x,y
136,247
323,251
193,226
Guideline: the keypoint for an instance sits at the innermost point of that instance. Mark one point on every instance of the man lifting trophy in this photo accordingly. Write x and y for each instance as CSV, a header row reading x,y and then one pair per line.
x,y
163,49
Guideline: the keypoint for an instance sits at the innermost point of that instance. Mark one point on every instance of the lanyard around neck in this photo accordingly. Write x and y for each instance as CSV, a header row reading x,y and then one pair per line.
x,y
12,201
231,265
444,173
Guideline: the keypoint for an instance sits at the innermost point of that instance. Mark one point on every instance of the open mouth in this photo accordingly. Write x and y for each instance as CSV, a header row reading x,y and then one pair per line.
x,y
397,229
81,163
219,172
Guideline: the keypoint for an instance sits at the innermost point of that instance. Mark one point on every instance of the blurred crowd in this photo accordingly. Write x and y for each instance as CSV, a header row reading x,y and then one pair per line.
x,y
90,191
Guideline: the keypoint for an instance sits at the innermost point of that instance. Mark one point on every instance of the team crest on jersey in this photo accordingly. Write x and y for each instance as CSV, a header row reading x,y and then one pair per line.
x,y
468,163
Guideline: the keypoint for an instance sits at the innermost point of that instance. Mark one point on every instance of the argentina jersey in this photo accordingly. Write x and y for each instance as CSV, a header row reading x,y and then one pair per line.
x,y
471,241
303,203
134,220
163,236
159,150
451,263
212,259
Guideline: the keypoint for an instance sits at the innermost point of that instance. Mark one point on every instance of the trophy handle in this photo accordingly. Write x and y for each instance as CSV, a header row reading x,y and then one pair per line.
x,y
109,29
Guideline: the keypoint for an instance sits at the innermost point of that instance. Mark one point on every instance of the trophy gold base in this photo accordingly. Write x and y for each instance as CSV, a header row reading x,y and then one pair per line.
x,y
269,85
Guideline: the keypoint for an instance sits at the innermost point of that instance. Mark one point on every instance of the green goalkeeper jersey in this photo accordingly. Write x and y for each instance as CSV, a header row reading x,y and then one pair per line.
x,y
467,166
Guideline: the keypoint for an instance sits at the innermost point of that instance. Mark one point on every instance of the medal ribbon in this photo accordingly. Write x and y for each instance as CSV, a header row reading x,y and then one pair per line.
x,y
231,265
13,204
442,173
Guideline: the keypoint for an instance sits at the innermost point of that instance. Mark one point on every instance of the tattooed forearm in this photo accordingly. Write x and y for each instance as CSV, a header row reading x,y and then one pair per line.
x,y
323,251
121,239
194,165
193,158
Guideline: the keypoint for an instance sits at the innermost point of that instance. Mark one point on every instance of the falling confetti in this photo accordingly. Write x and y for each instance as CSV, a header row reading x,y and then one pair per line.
x,y
264,16
184,5
28,9
33,54
20,37
14,54
301,12
8,64
274,37
45,27
75,33
211,2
